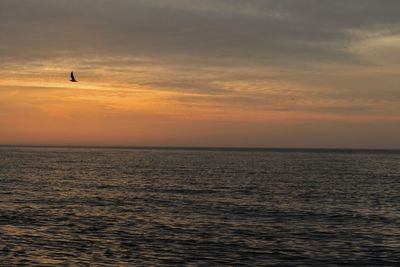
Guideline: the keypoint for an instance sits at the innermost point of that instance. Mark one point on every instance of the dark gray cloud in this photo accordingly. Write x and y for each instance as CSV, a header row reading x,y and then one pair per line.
x,y
248,31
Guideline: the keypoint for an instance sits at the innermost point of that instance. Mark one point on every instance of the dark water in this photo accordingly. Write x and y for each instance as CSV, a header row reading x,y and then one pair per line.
x,y
114,207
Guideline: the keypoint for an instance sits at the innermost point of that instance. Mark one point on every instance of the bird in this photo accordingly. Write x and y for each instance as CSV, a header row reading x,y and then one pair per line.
x,y
73,78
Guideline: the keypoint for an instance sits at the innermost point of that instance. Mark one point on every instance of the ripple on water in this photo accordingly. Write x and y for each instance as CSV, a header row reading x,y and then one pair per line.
x,y
170,207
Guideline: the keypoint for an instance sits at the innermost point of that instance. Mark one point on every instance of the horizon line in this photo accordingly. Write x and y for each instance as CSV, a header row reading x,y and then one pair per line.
x,y
232,148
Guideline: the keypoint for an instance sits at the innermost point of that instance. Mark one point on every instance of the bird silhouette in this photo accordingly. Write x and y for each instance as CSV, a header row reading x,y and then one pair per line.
x,y
73,78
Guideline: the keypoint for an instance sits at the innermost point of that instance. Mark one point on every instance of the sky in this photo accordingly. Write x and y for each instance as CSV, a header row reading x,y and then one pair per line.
x,y
236,73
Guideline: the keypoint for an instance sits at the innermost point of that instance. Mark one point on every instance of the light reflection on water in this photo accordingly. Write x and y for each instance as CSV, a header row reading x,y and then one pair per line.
x,y
189,207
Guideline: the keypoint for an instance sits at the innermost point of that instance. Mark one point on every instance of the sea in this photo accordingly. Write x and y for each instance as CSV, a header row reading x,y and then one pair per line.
x,y
198,207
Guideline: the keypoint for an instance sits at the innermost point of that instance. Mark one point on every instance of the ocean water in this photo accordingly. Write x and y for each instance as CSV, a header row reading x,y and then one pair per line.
x,y
144,207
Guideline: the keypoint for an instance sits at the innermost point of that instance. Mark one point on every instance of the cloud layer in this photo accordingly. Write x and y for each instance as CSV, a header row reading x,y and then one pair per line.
x,y
323,59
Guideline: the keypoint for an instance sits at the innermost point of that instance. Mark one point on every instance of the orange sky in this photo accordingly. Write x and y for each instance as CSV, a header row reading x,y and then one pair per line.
x,y
195,89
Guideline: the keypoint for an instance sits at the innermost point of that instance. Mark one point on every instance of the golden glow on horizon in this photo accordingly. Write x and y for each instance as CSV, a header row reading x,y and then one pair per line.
x,y
92,115
142,107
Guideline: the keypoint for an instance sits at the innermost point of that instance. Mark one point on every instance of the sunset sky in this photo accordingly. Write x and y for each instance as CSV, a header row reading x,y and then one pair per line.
x,y
245,73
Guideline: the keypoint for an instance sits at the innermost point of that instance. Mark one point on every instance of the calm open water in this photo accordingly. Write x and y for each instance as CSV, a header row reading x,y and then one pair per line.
x,y
127,207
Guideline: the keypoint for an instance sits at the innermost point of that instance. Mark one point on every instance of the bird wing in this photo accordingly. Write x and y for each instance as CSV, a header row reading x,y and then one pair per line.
x,y
72,76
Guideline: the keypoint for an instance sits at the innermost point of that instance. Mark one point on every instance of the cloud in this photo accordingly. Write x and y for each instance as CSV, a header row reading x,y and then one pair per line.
x,y
241,53
275,32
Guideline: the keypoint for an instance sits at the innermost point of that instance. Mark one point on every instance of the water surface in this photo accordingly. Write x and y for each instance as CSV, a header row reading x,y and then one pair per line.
x,y
70,206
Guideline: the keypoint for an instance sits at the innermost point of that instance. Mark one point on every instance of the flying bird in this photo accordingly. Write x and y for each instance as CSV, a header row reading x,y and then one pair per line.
x,y
73,78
